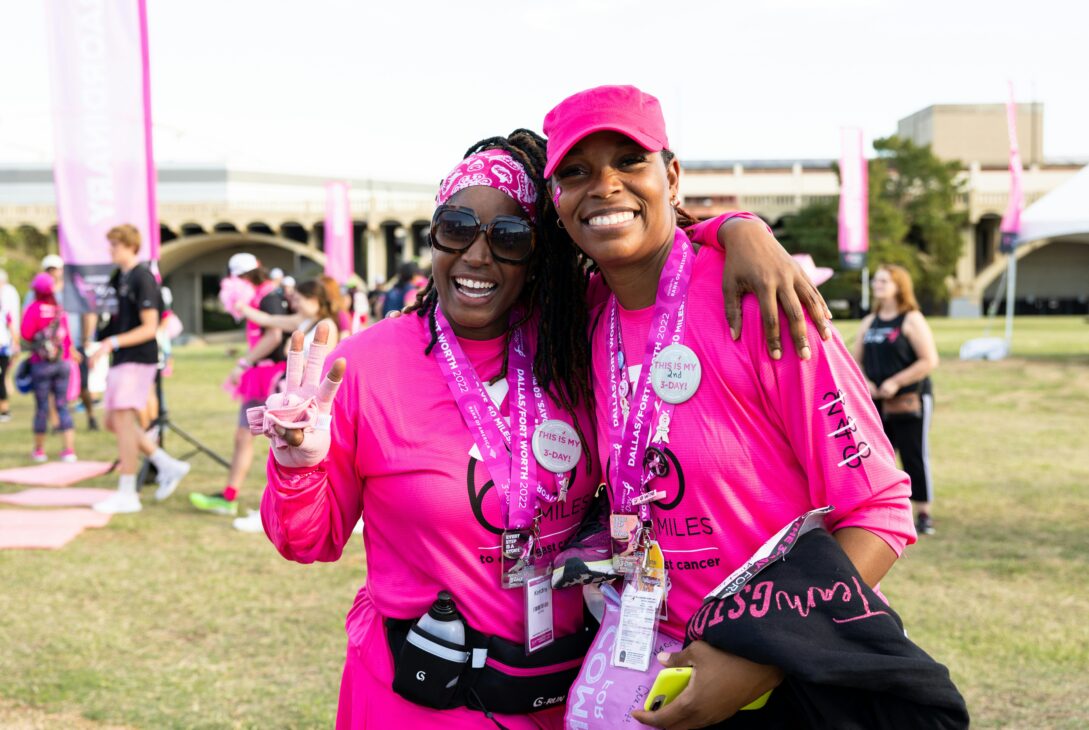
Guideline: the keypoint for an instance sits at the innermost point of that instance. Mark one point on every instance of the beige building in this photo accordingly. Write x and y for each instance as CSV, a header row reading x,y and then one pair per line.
x,y
1053,276
976,132
208,213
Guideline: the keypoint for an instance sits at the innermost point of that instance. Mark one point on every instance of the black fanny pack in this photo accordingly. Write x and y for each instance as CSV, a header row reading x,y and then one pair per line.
x,y
488,673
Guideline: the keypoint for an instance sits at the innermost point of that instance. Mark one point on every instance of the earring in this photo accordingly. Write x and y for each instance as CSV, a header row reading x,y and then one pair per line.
x,y
559,222
674,202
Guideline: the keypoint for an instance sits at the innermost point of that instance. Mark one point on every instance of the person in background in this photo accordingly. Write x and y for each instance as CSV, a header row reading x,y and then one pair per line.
x,y
83,329
358,298
311,305
339,305
276,276
133,304
255,378
896,351
45,327
88,323
404,289
287,286
10,319
53,265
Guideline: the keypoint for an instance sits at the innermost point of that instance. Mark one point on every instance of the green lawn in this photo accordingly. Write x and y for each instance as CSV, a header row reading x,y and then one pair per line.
x,y
170,618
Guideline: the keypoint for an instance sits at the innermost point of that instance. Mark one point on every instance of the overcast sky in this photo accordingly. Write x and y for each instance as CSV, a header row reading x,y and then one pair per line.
x,y
398,89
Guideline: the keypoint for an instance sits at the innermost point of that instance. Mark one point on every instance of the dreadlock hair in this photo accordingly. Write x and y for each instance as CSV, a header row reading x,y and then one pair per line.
x,y
555,291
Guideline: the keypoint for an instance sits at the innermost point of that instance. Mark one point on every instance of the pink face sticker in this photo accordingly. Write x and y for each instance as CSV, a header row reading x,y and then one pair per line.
x,y
556,197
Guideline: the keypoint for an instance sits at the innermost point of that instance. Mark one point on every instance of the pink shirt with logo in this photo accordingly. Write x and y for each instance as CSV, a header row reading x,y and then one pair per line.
x,y
754,448
402,458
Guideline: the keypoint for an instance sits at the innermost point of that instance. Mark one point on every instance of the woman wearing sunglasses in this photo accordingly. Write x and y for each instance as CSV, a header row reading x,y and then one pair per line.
x,y
462,436
709,446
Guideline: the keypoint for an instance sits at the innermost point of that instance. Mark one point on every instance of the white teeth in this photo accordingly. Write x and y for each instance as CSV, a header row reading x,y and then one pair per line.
x,y
475,289
613,219
474,284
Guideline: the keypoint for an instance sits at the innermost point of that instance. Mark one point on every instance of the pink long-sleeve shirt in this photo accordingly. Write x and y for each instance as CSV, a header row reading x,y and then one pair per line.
x,y
403,459
40,315
753,449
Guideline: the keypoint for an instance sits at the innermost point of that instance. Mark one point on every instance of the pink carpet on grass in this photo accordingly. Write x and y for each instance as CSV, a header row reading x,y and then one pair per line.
x,y
46,497
54,473
49,529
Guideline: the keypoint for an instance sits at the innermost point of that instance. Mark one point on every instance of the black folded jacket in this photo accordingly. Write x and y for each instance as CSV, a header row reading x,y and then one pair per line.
x,y
843,650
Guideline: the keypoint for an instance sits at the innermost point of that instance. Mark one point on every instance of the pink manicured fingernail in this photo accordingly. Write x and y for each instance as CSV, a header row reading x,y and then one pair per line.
x,y
663,657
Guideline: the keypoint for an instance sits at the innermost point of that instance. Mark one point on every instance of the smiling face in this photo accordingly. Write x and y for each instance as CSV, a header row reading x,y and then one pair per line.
x,y
475,291
615,198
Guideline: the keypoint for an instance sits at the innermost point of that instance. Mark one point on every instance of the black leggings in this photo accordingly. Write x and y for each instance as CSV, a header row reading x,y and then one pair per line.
x,y
911,437
5,361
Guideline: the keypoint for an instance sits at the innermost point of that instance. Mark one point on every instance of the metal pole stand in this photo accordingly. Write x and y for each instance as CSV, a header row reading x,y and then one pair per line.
x,y
147,469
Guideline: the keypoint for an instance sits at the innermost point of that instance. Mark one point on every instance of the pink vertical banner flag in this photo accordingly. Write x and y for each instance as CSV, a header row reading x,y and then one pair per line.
x,y
103,169
339,261
854,201
1011,221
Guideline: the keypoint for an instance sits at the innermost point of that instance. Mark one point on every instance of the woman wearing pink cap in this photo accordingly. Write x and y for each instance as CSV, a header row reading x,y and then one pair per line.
x,y
45,327
710,446
461,434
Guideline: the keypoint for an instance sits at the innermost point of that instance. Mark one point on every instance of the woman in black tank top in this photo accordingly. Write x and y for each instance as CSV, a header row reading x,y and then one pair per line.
x,y
896,351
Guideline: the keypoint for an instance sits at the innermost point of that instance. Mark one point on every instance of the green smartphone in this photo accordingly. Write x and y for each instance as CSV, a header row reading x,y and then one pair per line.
x,y
669,683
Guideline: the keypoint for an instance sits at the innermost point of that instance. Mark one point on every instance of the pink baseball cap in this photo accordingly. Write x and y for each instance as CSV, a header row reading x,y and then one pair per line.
x,y
623,109
42,283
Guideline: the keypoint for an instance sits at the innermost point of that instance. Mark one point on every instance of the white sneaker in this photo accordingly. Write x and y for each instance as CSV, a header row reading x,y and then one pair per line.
x,y
119,503
169,477
250,523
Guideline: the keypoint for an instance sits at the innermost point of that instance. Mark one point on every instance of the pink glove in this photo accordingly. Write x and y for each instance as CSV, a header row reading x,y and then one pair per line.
x,y
304,405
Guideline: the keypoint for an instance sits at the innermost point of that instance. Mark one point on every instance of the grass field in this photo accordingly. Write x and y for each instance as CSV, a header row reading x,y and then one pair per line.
x,y
170,618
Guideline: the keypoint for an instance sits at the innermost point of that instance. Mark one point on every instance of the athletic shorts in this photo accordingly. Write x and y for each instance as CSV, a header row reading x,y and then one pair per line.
x,y
128,386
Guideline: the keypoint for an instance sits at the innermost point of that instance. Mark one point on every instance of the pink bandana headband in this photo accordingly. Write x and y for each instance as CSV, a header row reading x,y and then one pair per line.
x,y
493,169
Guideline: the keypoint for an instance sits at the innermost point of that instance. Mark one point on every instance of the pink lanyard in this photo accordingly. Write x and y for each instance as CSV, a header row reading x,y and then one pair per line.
x,y
515,472
629,439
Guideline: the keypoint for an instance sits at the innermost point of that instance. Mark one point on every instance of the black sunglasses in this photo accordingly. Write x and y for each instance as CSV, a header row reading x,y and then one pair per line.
x,y
510,238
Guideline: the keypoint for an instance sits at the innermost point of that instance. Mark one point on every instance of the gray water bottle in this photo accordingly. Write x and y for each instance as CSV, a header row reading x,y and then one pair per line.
x,y
442,620
433,656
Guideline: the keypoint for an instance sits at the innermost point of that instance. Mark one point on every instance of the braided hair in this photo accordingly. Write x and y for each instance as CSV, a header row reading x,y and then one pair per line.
x,y
555,291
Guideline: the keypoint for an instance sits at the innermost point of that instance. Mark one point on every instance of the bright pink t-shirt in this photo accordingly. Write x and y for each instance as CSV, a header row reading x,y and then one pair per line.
x,y
751,450
401,458
254,330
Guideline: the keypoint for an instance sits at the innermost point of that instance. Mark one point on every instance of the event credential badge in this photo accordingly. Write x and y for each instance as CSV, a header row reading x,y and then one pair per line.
x,y
539,629
638,627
